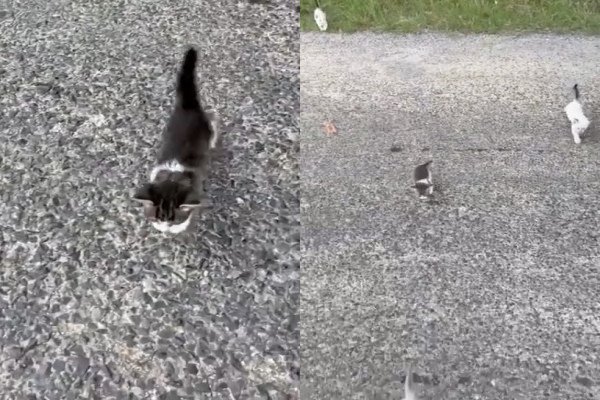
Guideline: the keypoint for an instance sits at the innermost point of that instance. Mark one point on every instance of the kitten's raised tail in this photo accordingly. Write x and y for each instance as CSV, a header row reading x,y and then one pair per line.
x,y
576,90
186,85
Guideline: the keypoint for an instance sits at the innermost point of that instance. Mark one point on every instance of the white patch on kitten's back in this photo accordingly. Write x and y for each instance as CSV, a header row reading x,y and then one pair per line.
x,y
171,166
166,228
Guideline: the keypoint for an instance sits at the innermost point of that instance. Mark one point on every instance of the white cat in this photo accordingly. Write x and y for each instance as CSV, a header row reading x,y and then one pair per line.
x,y
579,122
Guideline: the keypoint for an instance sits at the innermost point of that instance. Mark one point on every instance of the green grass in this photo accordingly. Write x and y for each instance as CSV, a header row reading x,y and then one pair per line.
x,y
456,15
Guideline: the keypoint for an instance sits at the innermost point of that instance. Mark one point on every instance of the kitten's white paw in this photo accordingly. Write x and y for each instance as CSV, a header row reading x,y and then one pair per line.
x,y
213,119
174,229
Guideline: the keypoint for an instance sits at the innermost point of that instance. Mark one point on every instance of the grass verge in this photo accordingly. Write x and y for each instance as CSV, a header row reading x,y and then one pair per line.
x,y
456,15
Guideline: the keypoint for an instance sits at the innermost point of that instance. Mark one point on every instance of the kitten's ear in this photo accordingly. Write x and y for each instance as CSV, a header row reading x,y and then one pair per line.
x,y
143,195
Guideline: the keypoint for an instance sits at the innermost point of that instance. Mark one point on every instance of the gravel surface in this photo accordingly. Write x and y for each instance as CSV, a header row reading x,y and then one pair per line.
x,y
95,303
493,292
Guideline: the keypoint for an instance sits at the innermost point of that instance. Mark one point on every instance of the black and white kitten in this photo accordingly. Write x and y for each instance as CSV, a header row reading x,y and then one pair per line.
x,y
176,187
423,180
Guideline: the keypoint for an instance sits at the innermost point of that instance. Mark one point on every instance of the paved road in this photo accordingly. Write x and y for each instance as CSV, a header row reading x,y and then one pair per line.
x,y
93,301
493,292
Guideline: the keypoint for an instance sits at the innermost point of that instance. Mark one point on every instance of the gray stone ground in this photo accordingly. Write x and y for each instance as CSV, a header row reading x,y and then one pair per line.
x,y
493,292
96,304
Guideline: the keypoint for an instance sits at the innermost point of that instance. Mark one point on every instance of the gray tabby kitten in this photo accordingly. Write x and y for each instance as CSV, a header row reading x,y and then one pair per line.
x,y
423,180
176,188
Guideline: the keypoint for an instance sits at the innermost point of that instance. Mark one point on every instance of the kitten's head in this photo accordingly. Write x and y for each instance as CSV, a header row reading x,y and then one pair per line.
x,y
423,190
169,202
578,126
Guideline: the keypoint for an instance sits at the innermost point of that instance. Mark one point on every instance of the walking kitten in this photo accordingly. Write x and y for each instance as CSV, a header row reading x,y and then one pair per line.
x,y
176,188
423,180
579,122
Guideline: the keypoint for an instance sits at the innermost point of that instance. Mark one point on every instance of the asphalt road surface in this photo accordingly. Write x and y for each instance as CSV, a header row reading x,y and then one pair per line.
x,y
492,291
95,303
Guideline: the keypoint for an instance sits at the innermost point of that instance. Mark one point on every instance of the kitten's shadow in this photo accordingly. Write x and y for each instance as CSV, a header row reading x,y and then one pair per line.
x,y
221,186
592,135
438,195
439,189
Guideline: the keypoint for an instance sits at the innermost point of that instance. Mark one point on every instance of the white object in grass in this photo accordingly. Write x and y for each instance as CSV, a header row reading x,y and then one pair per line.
x,y
321,19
